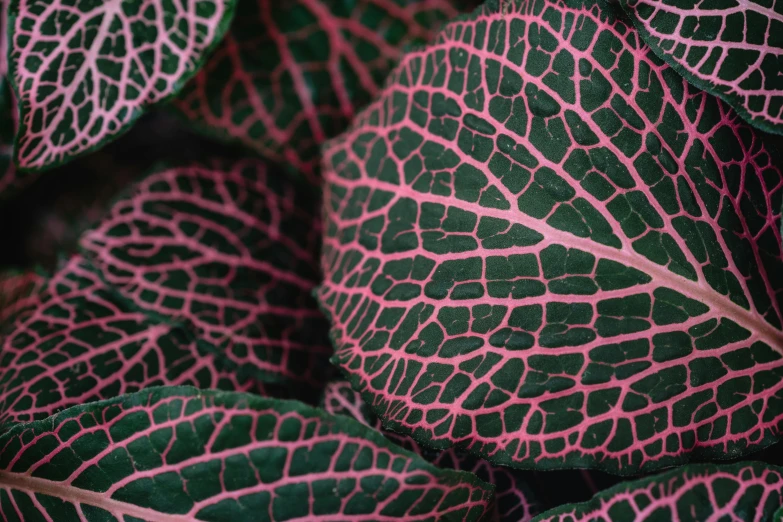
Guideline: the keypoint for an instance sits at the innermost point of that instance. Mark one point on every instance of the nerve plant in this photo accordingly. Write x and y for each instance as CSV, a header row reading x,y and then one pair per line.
x,y
394,259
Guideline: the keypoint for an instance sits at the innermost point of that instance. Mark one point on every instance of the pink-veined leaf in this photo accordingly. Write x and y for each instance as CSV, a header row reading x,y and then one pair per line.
x,y
291,74
742,492
85,72
231,250
18,291
512,496
75,341
181,454
545,247
732,49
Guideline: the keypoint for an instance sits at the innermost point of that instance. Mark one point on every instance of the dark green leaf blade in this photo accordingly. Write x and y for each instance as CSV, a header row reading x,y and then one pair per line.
x,y
731,49
698,492
84,73
543,246
181,454
229,249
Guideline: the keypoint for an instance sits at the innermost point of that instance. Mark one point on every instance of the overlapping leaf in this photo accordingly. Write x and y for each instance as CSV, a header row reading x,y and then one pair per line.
x,y
291,74
545,247
230,250
512,496
75,342
733,49
180,454
85,72
699,492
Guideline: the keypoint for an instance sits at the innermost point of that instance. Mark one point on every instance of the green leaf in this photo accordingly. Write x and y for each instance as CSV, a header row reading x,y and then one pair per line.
x,y
731,49
228,249
742,491
70,340
83,73
515,502
545,247
181,454
291,74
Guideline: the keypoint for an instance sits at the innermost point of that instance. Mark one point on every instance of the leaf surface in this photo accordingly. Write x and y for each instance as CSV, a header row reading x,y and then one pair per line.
x,y
291,74
743,491
731,49
512,496
75,341
230,250
85,72
545,247
181,454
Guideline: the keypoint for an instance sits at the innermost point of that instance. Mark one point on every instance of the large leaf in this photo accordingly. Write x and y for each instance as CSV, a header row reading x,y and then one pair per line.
x,y
291,74
513,497
181,454
75,341
545,247
230,250
699,492
85,72
733,49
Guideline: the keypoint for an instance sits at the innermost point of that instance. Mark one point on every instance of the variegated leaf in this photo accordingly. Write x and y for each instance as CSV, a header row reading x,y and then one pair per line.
x,y
291,74
228,249
730,48
181,454
85,71
545,247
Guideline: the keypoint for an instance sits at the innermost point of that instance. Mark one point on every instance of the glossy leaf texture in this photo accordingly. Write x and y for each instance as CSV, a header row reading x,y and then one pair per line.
x,y
512,496
230,250
75,341
730,48
84,73
181,454
291,74
18,291
545,247
746,491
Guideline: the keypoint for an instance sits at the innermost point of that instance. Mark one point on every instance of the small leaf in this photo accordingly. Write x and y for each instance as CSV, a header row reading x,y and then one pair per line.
x,y
85,72
544,247
733,50
230,250
291,74
742,491
74,341
181,454
512,495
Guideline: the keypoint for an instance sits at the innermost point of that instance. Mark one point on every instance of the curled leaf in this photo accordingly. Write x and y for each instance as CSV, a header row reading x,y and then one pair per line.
x,y
291,74
229,250
544,247
731,49
742,491
85,72
181,454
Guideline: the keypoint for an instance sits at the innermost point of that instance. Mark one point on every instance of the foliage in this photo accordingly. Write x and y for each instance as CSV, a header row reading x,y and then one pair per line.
x,y
529,235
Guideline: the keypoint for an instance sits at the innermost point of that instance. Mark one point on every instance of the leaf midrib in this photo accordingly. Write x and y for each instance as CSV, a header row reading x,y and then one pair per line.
x,y
37,485
696,290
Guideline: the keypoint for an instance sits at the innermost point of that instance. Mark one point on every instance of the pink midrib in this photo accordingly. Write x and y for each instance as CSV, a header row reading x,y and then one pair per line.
x,y
663,277
35,485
